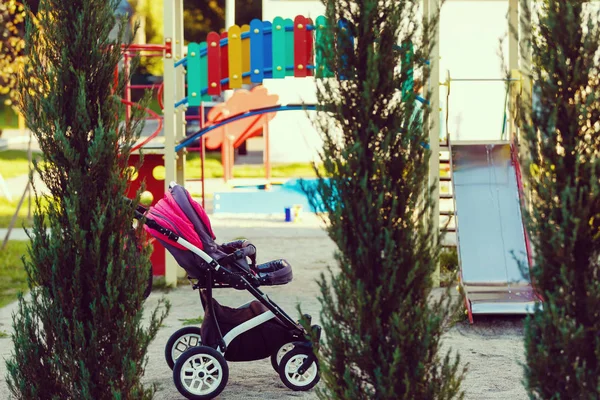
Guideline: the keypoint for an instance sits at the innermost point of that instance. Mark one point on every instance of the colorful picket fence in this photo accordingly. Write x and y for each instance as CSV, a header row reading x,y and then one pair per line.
x,y
269,50
252,53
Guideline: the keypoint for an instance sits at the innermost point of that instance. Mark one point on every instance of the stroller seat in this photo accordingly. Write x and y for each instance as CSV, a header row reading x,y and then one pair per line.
x,y
178,212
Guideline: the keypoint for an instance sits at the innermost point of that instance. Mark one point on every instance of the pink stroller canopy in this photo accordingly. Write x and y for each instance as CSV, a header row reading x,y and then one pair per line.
x,y
178,212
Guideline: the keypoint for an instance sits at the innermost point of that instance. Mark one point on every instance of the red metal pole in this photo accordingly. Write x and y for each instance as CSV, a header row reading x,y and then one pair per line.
x,y
116,81
202,153
231,157
267,150
127,89
144,47
115,88
224,155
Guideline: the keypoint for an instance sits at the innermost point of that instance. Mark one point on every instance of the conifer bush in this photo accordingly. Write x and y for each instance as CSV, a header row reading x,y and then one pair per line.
x,y
382,329
562,135
81,334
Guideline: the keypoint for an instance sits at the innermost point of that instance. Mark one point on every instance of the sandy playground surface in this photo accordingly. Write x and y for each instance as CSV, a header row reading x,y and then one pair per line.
x,y
493,347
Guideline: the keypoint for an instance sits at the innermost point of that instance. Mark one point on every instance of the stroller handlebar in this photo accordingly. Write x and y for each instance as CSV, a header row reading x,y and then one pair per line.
x,y
139,214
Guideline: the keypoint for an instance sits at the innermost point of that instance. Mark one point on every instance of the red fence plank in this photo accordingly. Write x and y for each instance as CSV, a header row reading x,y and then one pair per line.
x,y
214,63
310,49
300,47
224,63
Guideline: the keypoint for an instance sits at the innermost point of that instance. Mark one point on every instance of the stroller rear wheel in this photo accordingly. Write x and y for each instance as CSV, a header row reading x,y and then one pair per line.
x,y
200,373
289,370
276,357
182,340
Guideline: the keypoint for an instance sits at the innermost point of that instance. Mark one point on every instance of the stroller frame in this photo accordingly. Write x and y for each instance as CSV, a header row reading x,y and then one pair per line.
x,y
241,279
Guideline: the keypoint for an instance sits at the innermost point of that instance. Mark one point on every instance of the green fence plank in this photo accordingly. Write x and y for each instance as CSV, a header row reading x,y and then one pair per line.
x,y
289,47
194,81
279,48
204,70
322,48
407,66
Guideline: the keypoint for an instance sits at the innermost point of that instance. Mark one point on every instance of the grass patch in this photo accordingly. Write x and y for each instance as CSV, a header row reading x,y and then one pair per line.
x,y
448,266
460,316
214,169
160,285
14,163
8,208
4,335
154,106
192,321
13,278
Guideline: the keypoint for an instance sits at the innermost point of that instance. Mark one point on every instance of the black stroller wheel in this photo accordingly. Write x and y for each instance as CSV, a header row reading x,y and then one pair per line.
x,y
288,370
200,373
278,355
182,340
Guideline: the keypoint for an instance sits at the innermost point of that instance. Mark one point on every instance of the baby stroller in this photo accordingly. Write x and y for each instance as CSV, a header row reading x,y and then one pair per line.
x,y
254,331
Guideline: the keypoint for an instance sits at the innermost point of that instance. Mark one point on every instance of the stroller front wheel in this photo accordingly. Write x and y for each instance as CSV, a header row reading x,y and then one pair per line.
x,y
289,370
200,373
276,357
182,340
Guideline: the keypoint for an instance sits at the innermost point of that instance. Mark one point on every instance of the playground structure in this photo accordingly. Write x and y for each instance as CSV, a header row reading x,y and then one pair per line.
x,y
493,245
230,135
285,47
247,54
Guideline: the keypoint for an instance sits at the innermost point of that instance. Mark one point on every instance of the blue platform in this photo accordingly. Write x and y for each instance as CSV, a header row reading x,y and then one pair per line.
x,y
258,200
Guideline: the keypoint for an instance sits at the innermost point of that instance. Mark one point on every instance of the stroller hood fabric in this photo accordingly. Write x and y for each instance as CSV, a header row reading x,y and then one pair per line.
x,y
178,212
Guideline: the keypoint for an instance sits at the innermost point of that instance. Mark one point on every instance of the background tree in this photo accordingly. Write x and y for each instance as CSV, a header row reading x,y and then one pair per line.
x,y
382,328
12,58
80,335
562,135
12,17
199,18
203,17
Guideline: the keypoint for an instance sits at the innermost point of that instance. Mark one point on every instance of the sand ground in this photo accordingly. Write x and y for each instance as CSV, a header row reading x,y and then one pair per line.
x,y
493,347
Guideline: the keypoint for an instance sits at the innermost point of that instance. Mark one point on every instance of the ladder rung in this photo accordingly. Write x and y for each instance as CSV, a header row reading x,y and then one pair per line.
x,y
445,179
446,196
449,230
447,213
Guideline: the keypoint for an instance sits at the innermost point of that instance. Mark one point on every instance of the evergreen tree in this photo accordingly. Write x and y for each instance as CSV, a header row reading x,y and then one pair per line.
x,y
382,329
562,135
81,335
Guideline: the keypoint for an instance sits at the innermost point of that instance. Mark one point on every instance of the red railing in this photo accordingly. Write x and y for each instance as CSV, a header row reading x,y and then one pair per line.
x,y
154,50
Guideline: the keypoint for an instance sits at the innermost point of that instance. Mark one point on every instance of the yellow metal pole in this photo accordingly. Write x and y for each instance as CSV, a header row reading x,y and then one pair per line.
x,y
180,121
513,63
526,86
170,126
431,9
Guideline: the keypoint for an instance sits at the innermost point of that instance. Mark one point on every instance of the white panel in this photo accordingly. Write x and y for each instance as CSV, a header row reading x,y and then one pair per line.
x,y
292,8
292,134
469,47
503,308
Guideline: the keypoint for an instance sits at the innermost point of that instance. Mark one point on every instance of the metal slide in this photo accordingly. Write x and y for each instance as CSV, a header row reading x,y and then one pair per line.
x,y
490,233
